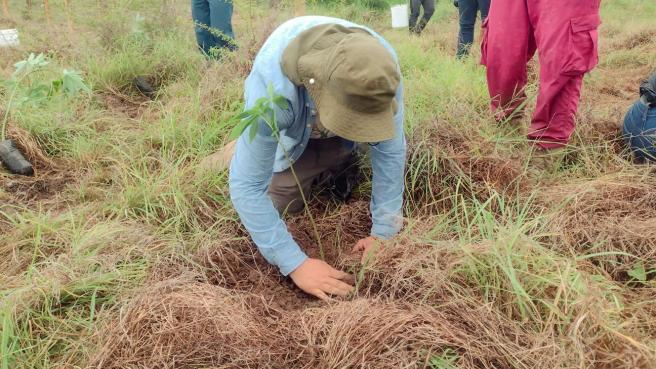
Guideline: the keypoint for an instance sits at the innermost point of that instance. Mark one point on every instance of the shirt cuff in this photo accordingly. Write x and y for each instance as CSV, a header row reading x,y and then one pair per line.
x,y
386,231
287,258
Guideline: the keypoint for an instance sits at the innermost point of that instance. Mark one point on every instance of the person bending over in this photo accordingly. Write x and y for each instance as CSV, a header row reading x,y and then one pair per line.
x,y
343,86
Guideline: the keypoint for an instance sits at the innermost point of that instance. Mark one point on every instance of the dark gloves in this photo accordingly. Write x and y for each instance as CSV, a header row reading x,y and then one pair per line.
x,y
455,3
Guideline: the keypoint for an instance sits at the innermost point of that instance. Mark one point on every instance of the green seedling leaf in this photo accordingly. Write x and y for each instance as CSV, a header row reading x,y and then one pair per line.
x,y
240,117
56,86
281,102
253,131
73,83
638,272
241,127
35,95
29,65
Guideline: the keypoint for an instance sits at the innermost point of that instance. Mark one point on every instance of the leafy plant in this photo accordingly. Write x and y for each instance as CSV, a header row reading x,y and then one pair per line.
x,y
30,79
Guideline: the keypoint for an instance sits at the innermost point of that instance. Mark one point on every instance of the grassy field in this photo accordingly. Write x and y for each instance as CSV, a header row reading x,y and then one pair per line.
x,y
122,253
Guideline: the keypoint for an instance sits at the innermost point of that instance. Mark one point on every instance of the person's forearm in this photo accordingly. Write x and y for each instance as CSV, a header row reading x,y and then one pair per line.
x,y
387,191
388,179
250,173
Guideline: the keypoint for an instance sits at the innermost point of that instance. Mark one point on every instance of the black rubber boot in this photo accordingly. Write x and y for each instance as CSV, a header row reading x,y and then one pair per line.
x,y
14,160
145,88
419,28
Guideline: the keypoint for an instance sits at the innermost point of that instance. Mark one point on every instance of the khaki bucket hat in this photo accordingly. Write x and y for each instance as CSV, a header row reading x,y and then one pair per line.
x,y
350,76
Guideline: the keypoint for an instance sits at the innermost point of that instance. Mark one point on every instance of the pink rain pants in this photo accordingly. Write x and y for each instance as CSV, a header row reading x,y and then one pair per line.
x,y
564,32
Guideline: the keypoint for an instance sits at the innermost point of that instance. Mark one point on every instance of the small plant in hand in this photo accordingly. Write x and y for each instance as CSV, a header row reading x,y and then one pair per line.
x,y
29,86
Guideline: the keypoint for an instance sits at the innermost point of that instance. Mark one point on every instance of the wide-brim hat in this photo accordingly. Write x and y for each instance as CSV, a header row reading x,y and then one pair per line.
x,y
351,77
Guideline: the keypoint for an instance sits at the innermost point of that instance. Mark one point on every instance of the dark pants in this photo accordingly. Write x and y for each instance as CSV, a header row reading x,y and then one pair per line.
x,y
321,159
468,12
429,9
213,24
639,131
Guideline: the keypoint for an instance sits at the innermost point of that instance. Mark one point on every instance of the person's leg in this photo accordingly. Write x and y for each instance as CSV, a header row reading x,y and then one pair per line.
x,y
467,10
429,9
415,7
484,8
221,23
200,13
566,35
320,157
221,159
638,131
508,45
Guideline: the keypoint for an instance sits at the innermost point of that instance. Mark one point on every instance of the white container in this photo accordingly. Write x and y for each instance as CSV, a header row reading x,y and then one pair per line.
x,y
400,16
9,38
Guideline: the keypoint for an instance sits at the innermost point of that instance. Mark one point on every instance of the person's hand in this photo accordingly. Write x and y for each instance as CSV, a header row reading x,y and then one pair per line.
x,y
367,246
318,278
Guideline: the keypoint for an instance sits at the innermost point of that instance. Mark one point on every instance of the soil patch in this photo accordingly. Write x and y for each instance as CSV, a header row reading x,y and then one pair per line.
x,y
121,104
236,264
50,176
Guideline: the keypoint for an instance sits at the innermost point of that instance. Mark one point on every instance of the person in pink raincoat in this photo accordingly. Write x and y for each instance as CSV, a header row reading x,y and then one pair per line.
x,y
564,34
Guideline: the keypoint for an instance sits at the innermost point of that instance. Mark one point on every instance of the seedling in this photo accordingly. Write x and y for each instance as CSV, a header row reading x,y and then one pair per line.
x,y
264,111
25,89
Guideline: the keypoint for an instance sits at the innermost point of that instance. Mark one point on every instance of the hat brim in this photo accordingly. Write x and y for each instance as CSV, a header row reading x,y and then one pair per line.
x,y
354,125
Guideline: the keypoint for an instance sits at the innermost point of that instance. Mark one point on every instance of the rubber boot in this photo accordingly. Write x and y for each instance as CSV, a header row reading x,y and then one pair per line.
x,y
421,24
145,87
14,160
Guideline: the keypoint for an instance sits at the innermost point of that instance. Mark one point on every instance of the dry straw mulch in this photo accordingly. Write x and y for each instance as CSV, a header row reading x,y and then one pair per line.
x,y
184,324
612,216
450,159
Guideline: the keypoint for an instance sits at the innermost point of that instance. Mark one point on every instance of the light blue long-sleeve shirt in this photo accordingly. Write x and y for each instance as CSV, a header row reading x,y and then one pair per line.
x,y
255,161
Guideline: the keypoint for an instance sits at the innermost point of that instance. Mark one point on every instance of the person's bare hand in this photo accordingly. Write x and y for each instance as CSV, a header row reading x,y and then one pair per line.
x,y
367,246
318,278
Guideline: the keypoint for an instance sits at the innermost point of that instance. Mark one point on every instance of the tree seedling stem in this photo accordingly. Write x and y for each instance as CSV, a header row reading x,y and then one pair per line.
x,y
263,111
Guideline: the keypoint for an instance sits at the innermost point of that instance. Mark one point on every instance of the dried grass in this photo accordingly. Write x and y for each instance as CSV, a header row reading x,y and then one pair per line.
x,y
612,215
411,271
180,323
374,334
465,161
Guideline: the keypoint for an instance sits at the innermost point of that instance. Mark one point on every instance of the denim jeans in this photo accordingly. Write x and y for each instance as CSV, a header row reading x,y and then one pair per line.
x,y
415,7
468,12
639,131
213,24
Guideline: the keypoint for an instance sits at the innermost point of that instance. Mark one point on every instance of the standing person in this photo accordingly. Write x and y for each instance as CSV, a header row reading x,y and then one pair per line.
x,y
468,11
342,84
213,25
564,32
415,8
